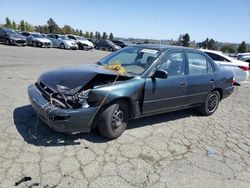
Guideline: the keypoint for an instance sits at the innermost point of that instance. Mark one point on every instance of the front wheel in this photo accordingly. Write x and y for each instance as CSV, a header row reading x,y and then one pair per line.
x,y
111,49
7,42
113,120
211,104
34,44
62,46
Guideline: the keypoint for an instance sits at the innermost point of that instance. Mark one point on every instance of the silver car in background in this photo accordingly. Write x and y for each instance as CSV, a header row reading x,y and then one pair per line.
x,y
62,41
83,43
36,39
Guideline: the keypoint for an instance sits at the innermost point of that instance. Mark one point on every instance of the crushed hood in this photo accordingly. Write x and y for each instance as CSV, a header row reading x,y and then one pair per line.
x,y
73,77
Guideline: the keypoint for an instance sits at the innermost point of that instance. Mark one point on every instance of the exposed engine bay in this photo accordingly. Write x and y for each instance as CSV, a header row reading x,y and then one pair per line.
x,y
64,97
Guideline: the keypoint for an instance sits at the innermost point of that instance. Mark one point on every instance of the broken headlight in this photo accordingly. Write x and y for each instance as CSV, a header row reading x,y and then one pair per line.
x,y
82,98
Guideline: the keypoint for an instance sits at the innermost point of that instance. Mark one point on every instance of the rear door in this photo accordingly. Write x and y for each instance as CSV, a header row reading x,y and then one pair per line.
x,y
201,79
169,93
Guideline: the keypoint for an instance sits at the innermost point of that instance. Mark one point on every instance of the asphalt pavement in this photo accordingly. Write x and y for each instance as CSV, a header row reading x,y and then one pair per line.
x,y
178,149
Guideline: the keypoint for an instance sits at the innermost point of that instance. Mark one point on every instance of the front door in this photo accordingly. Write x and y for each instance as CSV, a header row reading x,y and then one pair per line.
x,y
169,93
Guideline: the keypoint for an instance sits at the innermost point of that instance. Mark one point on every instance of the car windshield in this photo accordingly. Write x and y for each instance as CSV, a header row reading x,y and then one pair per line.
x,y
64,37
37,35
81,38
10,32
136,60
110,42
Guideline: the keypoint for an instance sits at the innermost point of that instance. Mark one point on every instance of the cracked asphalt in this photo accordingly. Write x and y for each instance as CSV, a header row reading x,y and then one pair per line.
x,y
179,149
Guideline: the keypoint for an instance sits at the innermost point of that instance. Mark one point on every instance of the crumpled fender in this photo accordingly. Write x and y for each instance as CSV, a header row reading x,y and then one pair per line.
x,y
133,90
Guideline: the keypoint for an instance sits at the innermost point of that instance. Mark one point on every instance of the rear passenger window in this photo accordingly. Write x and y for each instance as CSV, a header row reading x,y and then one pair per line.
x,y
198,64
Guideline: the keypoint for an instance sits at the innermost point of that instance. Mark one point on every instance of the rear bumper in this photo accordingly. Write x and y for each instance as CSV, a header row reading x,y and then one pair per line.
x,y
60,119
228,91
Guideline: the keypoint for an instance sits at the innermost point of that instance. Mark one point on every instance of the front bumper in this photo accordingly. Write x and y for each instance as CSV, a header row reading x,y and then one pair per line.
x,y
72,47
60,119
44,44
18,42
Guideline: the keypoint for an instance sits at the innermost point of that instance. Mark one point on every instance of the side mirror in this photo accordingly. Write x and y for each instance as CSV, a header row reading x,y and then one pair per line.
x,y
160,74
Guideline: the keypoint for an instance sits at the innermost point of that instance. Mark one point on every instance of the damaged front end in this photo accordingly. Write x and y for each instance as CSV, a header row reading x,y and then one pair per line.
x,y
64,103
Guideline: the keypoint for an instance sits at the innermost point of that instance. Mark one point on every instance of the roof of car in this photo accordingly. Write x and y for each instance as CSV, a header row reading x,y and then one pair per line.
x,y
6,29
162,47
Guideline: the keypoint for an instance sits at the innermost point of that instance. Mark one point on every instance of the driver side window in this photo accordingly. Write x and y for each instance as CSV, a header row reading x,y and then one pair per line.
x,y
173,63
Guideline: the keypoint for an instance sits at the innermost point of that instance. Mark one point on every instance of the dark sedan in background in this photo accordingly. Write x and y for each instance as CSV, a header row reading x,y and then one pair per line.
x,y
105,44
120,43
11,37
131,83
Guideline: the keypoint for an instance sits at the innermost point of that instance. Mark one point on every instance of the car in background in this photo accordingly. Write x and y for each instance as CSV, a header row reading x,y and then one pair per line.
x,y
239,68
156,79
92,40
83,43
106,44
36,39
11,37
120,43
62,41
244,57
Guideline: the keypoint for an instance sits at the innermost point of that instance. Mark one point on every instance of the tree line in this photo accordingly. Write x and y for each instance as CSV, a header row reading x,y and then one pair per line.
x,y
53,27
211,44
183,40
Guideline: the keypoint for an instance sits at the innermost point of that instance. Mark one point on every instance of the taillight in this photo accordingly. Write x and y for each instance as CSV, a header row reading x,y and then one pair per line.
x,y
234,83
243,68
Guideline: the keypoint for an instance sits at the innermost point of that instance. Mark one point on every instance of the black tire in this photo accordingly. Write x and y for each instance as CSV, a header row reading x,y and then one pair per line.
x,y
7,42
62,46
111,49
34,44
97,47
211,104
113,120
81,47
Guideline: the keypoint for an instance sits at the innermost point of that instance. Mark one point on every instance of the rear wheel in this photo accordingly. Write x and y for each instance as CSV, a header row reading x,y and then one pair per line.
x,y
97,47
113,120
211,104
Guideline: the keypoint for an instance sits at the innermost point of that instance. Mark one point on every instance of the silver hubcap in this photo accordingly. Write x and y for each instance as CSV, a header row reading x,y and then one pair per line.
x,y
117,119
212,102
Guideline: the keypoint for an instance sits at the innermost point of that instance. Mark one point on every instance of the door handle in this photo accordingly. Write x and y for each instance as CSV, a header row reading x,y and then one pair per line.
x,y
183,83
211,81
